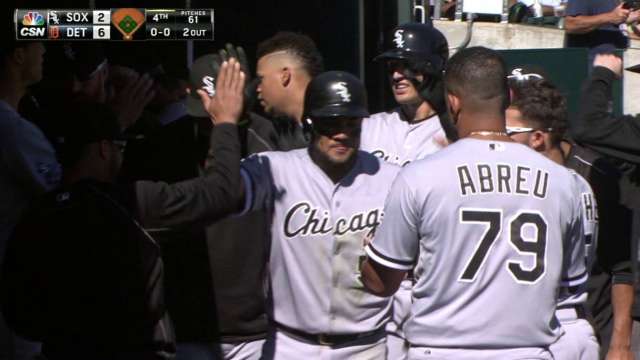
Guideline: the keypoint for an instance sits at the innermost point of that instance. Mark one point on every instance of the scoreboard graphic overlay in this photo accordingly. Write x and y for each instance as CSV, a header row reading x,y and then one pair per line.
x,y
124,24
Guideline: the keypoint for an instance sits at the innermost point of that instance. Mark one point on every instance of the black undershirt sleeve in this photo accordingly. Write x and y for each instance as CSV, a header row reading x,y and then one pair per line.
x,y
201,200
596,127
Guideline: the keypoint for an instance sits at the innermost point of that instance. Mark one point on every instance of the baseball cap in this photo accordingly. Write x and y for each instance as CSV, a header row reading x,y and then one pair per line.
x,y
635,69
202,76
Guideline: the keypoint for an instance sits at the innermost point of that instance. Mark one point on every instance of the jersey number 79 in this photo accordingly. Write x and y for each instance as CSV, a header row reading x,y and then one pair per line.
x,y
493,220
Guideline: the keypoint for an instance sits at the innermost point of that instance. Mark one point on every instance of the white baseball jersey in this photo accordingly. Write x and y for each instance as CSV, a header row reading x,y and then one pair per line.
x,y
389,137
492,228
578,294
318,234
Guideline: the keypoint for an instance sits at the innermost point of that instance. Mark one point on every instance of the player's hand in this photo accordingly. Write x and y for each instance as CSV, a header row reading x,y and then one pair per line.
x,y
250,93
618,15
609,61
226,105
237,53
617,353
132,95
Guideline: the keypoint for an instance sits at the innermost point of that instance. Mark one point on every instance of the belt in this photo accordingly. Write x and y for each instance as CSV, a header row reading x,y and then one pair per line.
x,y
333,339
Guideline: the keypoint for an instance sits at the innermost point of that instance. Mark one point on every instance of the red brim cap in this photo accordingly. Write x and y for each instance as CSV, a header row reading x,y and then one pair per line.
x,y
635,69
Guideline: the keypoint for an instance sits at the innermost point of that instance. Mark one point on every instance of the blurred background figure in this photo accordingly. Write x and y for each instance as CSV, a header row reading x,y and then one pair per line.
x,y
599,25
28,165
80,72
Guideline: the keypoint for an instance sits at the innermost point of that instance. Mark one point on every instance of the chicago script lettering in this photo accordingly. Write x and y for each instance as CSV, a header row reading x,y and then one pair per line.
x,y
302,219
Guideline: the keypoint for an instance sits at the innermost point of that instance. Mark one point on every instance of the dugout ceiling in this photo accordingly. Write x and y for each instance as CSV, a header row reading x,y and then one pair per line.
x,y
347,32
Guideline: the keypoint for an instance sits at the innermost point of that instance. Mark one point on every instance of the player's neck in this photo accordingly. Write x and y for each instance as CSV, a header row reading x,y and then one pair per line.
x,y
335,172
297,110
415,113
557,153
481,125
297,104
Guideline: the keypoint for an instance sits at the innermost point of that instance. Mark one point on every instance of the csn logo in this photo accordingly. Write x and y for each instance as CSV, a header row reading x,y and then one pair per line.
x,y
33,25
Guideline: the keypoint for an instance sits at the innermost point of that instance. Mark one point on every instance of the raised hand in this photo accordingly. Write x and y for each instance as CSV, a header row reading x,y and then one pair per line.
x,y
226,105
238,53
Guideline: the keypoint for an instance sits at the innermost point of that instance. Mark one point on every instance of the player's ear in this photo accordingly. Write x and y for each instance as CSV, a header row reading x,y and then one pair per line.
x,y
285,77
453,103
537,140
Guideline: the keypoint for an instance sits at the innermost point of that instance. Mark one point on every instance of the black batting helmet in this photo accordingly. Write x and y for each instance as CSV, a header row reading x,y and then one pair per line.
x,y
417,42
335,94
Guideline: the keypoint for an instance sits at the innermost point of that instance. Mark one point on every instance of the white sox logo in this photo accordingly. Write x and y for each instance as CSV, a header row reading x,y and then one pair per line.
x,y
517,75
397,38
342,90
308,221
209,85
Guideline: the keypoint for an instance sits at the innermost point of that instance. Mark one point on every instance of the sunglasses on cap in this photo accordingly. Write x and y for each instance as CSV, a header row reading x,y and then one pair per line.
x,y
512,130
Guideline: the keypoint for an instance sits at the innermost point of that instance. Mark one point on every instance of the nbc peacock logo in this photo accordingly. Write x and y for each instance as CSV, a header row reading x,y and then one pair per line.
x,y
32,18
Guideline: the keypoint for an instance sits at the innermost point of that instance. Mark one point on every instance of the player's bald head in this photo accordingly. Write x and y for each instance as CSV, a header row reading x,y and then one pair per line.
x,y
281,59
478,76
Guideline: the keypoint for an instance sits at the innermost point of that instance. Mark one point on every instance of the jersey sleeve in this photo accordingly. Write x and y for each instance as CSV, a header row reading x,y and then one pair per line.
x,y
615,224
589,209
201,200
395,244
574,272
30,158
258,183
